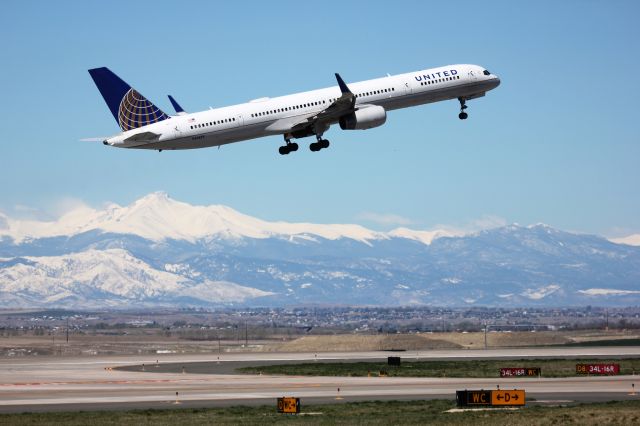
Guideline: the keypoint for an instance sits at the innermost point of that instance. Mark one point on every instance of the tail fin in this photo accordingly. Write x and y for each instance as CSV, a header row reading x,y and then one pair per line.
x,y
130,109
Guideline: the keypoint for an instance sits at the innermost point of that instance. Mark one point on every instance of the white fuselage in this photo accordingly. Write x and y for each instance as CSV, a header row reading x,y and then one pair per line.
x,y
276,116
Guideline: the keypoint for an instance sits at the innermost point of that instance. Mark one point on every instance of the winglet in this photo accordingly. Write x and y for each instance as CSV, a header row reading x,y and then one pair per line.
x,y
176,105
341,83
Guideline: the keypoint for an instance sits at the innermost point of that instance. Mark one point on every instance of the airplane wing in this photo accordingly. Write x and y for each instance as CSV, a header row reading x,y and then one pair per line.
x,y
345,104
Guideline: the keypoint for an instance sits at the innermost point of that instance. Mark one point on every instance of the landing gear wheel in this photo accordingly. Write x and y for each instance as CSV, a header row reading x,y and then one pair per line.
x,y
463,115
315,147
324,143
293,147
284,150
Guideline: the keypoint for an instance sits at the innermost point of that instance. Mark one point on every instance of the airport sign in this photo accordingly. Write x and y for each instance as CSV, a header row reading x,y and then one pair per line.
x,y
393,360
507,397
604,369
474,397
490,398
520,372
289,405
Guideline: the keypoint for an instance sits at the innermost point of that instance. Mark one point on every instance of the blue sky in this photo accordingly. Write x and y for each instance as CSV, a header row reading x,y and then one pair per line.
x,y
557,142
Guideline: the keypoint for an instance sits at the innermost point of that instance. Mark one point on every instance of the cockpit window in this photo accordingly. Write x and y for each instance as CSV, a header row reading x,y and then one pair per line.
x,y
485,72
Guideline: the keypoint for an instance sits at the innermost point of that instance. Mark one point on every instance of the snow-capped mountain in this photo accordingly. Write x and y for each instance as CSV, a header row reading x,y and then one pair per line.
x,y
158,251
111,278
157,217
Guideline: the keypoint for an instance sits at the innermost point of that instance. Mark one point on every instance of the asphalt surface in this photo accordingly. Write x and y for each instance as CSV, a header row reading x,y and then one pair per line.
x,y
93,383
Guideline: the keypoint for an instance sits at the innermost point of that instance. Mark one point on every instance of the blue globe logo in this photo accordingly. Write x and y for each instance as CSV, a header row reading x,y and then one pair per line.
x,y
136,111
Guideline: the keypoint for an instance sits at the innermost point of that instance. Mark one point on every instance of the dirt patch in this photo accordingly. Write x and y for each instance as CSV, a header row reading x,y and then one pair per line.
x,y
363,343
426,341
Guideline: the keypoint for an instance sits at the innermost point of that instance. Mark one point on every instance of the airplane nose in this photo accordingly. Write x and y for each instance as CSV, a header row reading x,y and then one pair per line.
x,y
497,81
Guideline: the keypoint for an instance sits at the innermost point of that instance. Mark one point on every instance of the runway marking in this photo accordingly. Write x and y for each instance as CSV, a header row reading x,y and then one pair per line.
x,y
354,381
97,382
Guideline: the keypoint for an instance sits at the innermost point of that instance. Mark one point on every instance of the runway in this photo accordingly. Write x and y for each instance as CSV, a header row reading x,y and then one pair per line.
x,y
88,383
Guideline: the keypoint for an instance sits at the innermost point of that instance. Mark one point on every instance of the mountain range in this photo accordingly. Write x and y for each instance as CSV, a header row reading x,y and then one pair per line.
x,y
161,252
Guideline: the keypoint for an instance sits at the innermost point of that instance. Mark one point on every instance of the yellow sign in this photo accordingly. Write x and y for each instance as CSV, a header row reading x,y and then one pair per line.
x,y
508,397
289,405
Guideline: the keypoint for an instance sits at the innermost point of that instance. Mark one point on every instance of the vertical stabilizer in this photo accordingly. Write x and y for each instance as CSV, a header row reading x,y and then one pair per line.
x,y
130,109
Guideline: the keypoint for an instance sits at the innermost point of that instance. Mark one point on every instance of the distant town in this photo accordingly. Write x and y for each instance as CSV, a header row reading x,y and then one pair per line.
x,y
263,322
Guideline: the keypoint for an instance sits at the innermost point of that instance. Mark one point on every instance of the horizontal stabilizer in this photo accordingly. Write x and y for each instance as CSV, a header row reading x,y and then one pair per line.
x,y
94,139
143,137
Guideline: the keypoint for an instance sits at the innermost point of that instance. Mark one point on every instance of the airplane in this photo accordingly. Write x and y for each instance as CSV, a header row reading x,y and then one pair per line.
x,y
357,106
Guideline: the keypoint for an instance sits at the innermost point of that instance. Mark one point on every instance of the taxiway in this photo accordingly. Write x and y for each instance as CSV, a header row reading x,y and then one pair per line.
x,y
87,383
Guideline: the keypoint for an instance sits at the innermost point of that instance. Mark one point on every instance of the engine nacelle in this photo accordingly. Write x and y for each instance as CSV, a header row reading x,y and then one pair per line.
x,y
364,118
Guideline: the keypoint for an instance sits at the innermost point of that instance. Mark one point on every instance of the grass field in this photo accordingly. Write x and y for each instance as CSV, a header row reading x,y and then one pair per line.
x,y
615,342
473,368
357,413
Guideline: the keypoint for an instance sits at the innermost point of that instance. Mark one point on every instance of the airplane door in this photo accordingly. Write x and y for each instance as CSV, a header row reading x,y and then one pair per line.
x,y
239,120
407,87
177,131
472,75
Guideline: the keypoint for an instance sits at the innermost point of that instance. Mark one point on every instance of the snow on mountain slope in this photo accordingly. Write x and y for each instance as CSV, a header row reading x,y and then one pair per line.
x,y
425,237
105,278
607,292
158,217
631,240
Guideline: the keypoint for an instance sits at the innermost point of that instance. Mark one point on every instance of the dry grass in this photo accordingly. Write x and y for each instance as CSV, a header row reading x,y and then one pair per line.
x,y
141,341
360,413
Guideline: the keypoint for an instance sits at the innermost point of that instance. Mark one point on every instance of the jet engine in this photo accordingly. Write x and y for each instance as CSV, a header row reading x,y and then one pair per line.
x,y
364,118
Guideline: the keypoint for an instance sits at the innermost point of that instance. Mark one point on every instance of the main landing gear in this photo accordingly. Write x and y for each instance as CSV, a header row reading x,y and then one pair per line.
x,y
320,144
288,148
463,115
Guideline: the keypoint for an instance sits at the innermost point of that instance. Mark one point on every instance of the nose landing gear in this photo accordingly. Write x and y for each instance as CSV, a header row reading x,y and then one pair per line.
x,y
463,115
